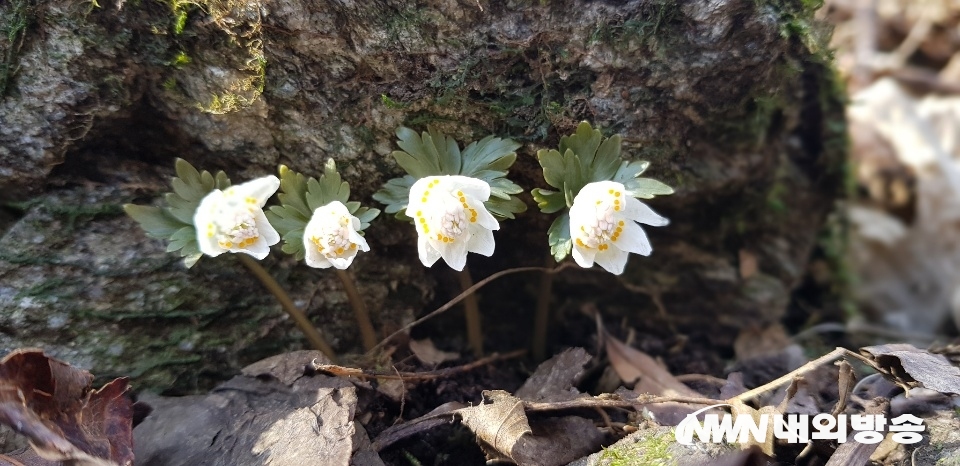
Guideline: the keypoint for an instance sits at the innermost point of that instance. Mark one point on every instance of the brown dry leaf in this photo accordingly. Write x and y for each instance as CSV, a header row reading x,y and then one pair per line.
x,y
555,378
499,423
740,408
428,354
632,364
911,367
52,404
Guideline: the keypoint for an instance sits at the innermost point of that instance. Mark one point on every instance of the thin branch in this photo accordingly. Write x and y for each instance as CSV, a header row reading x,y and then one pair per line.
x,y
341,371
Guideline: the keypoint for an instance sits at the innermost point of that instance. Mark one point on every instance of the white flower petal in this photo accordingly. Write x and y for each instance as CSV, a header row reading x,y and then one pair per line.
x,y
314,259
633,239
259,189
481,242
204,221
259,249
472,187
642,213
455,254
428,254
613,260
584,256
267,232
342,262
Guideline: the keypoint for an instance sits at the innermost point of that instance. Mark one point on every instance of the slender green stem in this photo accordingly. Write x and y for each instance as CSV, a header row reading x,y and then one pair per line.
x,y
367,334
472,310
542,318
313,336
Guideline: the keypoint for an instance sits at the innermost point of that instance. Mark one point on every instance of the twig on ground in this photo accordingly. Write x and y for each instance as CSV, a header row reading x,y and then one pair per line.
x,y
341,371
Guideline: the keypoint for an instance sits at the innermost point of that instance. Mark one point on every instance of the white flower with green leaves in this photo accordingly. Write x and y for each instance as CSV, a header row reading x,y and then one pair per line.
x,y
232,219
175,221
604,229
318,222
600,191
332,238
451,219
453,197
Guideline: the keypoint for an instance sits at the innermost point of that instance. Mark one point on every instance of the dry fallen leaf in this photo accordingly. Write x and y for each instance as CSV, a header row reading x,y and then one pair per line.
x,y
52,404
555,378
911,367
632,364
428,354
499,423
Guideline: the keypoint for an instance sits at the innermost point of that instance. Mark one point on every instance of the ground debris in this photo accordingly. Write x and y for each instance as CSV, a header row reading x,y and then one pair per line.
x,y
53,405
911,367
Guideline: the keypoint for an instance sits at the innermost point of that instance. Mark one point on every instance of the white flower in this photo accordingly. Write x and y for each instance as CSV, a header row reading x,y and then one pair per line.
x,y
604,229
331,237
451,219
232,220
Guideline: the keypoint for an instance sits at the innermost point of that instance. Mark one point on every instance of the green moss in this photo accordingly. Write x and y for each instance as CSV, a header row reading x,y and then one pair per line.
x,y
392,104
647,29
15,18
650,451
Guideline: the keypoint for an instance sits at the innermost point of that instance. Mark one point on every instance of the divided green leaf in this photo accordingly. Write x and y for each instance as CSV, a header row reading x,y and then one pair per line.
x,y
433,153
586,157
300,196
174,221
558,236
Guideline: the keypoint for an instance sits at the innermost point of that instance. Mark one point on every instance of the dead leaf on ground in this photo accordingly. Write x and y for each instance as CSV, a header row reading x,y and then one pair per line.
x,y
911,367
748,264
499,423
555,378
635,366
505,433
428,354
51,403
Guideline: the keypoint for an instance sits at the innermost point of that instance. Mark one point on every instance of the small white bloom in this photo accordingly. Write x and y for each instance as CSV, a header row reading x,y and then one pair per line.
x,y
331,237
604,229
451,219
232,220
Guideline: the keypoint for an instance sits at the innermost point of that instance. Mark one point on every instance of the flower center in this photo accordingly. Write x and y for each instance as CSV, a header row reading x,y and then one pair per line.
x,y
334,239
606,226
456,214
238,230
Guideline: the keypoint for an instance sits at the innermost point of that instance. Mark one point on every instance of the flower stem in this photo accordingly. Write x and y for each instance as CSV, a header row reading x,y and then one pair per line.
x,y
542,318
472,309
313,336
367,334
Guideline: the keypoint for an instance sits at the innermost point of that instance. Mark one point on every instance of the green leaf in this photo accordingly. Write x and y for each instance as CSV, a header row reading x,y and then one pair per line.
x,y
395,194
584,142
630,170
647,188
174,221
553,167
607,160
300,196
433,153
155,221
490,153
558,236
505,208
549,201
419,158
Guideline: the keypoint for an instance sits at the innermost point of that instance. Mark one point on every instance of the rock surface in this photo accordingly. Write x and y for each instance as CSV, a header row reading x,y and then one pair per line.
x,y
732,101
